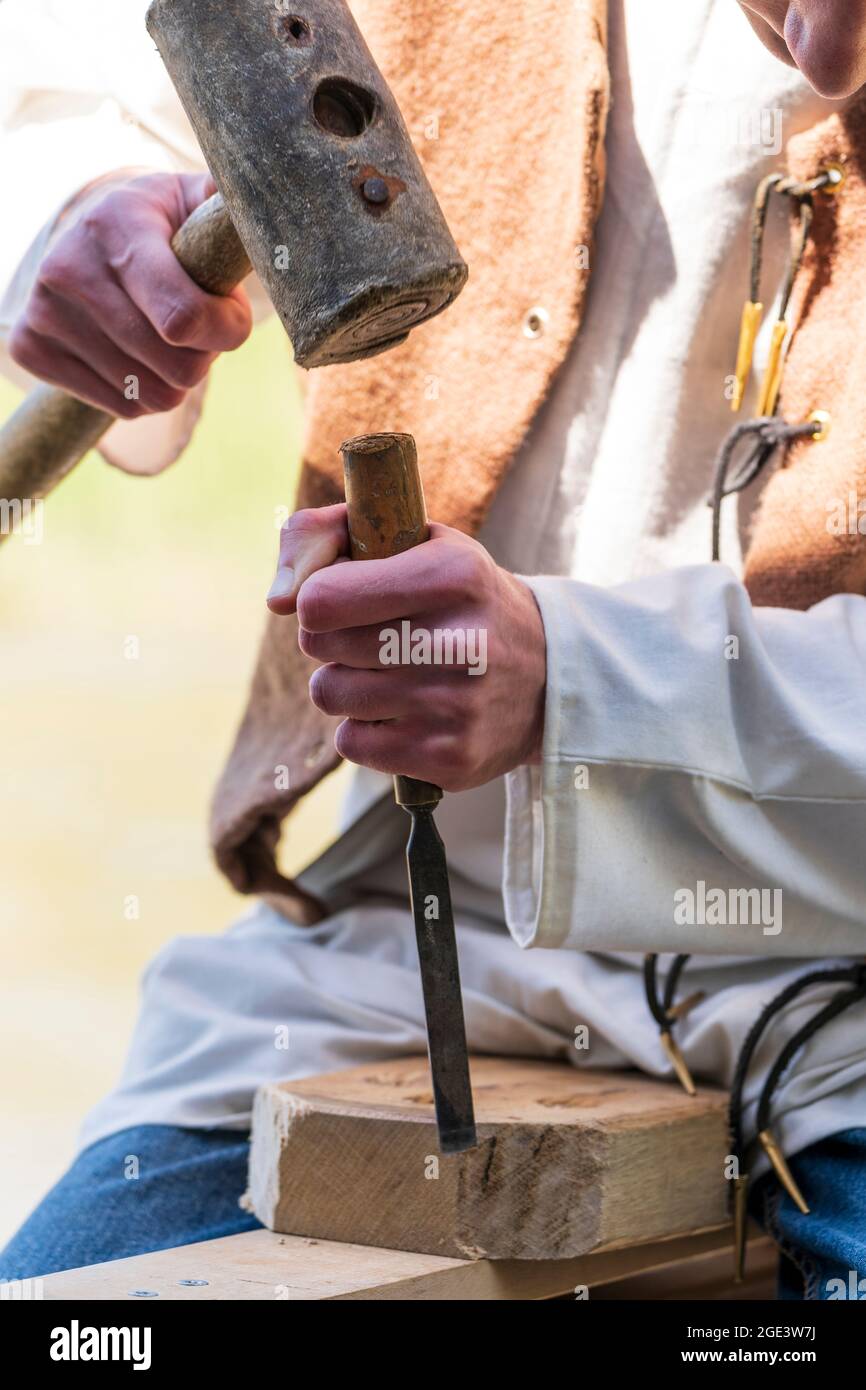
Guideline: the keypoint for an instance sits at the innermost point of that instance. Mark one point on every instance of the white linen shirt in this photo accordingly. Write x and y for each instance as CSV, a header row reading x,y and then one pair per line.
x,y
669,767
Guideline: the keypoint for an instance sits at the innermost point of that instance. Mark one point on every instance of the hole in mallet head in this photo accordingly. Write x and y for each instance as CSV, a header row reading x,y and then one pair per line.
x,y
342,107
291,28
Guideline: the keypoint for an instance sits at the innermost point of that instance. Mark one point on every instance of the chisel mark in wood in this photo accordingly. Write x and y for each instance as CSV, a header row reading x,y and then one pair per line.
x,y
539,1145
485,1177
576,1101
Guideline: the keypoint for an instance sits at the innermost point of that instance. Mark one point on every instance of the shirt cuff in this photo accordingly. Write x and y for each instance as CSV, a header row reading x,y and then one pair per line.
x,y
693,746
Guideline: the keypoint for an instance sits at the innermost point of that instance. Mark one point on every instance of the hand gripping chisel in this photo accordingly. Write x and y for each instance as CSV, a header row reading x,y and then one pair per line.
x,y
387,516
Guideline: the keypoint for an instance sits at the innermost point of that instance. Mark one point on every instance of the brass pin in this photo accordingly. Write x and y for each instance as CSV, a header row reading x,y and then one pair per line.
x,y
741,1223
836,178
678,1062
781,1169
773,374
749,325
685,1006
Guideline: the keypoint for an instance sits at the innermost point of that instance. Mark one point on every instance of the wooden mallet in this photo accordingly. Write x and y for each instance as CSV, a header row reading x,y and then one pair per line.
x,y
320,192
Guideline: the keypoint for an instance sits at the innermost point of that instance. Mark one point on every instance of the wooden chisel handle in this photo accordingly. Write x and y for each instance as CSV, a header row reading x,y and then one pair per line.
x,y
51,431
387,515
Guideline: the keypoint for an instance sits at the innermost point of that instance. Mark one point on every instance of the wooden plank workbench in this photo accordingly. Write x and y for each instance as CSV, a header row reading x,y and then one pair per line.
x,y
580,1179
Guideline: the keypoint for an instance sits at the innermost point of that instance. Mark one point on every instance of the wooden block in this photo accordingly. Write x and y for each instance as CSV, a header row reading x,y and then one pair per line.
x,y
264,1266
568,1161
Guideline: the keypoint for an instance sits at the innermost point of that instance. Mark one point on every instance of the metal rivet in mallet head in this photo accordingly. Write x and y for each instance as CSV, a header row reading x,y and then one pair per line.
x,y
193,1283
375,190
143,1293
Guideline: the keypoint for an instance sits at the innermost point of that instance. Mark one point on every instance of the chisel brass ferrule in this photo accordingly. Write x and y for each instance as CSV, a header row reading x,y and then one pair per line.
x,y
749,324
678,1062
781,1169
409,793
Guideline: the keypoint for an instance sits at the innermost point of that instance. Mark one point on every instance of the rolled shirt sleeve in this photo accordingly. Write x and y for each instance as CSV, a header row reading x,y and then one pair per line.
x,y
703,780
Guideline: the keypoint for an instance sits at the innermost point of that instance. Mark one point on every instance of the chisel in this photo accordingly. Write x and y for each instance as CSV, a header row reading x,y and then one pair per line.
x,y
386,516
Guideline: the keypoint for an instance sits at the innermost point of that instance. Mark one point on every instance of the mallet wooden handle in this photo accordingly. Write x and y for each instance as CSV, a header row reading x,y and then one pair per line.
x,y
51,431
387,515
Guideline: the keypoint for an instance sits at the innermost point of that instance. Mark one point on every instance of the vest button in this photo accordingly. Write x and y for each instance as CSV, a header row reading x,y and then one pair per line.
x,y
535,322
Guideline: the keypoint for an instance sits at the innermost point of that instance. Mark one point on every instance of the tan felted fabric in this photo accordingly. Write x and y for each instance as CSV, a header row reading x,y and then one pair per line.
x,y
506,105
795,558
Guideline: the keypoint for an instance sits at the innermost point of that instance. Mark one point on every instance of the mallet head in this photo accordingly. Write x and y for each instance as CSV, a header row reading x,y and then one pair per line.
x,y
315,164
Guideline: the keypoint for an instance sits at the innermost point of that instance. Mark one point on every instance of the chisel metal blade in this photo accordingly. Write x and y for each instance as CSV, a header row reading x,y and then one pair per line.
x,y
440,981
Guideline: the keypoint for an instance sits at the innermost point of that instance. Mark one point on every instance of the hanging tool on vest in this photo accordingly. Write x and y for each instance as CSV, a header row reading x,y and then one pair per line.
x,y
735,470
386,515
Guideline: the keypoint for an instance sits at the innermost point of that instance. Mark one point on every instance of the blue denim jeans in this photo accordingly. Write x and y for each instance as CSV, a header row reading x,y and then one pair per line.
x,y
157,1186
823,1255
146,1188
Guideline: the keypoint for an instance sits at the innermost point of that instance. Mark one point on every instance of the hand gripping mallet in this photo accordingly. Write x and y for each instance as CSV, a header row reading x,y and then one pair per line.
x,y
320,192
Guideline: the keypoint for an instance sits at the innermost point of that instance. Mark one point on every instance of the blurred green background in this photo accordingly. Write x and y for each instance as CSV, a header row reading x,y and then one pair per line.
x,y
109,763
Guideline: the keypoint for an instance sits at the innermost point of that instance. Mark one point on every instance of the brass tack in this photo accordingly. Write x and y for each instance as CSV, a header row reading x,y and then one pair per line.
x,y
837,178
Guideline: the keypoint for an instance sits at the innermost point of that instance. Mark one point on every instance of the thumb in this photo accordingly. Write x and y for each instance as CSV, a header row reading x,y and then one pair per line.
x,y
310,540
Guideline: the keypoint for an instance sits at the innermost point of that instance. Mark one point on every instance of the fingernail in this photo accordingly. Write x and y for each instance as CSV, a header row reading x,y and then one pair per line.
x,y
283,585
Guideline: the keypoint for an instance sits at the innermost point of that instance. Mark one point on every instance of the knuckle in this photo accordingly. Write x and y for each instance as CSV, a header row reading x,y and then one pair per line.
x,y
324,691
186,371
180,323
113,202
300,523
59,271
150,185
311,605
112,217
41,314
24,347
161,396
95,221
468,573
235,326
313,644
347,741
294,531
